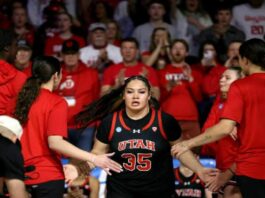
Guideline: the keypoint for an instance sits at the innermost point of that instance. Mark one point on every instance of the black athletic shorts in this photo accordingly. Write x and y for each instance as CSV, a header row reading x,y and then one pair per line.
x,y
11,160
51,189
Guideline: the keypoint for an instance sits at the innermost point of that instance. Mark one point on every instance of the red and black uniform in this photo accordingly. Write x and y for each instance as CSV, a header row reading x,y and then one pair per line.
x,y
142,148
111,73
188,187
47,117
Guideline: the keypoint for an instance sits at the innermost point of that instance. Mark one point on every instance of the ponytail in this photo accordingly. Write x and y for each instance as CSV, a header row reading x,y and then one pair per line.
x,y
43,68
102,107
26,97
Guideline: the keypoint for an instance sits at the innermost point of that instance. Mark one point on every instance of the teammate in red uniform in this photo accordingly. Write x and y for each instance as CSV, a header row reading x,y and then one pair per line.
x,y
141,137
244,108
44,116
226,148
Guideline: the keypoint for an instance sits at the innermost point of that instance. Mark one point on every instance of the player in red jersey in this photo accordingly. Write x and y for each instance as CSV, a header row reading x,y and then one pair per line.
x,y
244,108
226,148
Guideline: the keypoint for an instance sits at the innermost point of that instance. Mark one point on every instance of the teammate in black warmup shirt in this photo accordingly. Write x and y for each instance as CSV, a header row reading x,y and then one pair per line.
x,y
141,137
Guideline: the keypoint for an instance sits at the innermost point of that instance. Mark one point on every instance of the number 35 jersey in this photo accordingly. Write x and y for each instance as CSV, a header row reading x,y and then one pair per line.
x,y
142,148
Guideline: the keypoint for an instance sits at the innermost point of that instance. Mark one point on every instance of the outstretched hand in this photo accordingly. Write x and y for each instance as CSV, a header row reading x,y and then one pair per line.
x,y
207,175
103,161
70,173
179,148
218,181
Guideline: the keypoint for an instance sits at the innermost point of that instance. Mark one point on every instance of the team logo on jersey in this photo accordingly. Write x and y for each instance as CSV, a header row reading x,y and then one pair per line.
x,y
136,131
118,129
154,129
68,83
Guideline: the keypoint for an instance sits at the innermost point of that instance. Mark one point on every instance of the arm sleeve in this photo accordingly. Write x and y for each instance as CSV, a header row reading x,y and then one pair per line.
x,y
57,121
171,127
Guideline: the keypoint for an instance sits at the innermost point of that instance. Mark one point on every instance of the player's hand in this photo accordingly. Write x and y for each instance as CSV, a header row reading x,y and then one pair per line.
x,y
218,181
103,161
120,79
207,174
233,134
70,173
179,148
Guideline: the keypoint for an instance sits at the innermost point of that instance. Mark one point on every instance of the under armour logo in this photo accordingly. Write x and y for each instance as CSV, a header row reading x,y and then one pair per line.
x,y
136,131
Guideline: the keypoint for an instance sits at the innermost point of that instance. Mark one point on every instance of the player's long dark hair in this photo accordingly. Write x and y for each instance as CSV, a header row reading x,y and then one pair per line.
x,y
42,70
109,103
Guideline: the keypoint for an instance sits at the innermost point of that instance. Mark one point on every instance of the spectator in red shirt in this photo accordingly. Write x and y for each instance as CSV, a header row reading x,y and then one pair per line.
x,y
53,45
180,90
44,118
23,58
244,108
114,75
79,86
